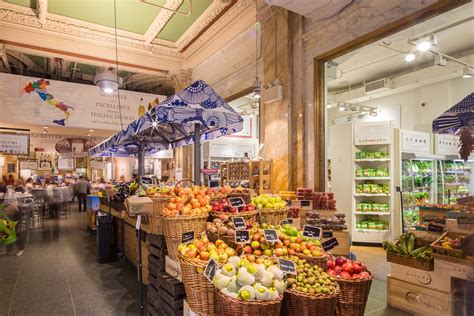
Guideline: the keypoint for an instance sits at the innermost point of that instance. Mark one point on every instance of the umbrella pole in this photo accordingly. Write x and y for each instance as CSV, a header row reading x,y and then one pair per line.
x,y
141,162
197,153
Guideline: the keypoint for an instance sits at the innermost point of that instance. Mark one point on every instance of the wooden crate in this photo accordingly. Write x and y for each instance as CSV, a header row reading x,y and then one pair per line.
x,y
165,295
131,250
438,280
417,300
172,268
456,270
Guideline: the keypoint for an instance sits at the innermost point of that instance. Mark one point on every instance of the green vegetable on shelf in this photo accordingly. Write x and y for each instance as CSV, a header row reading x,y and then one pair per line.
x,y
406,246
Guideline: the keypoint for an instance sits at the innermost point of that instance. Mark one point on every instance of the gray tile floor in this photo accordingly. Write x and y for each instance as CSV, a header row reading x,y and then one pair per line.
x,y
58,275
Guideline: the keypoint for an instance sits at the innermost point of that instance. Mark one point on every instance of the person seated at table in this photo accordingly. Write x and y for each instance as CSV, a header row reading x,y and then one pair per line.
x,y
14,213
29,184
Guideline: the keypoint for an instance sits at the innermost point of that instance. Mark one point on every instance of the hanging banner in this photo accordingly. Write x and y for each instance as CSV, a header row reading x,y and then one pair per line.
x,y
416,142
49,143
13,144
56,103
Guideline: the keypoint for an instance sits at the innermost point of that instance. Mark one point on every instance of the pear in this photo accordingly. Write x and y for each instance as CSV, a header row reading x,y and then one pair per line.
x,y
277,273
259,273
221,281
261,293
267,279
247,293
244,278
280,286
228,269
234,260
229,293
233,286
273,294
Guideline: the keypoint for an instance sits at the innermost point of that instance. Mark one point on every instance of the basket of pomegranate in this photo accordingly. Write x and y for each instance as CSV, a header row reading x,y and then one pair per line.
x,y
185,213
193,258
354,282
249,288
272,209
223,207
311,291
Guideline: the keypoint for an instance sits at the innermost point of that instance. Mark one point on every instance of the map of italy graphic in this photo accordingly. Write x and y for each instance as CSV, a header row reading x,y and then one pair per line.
x,y
40,87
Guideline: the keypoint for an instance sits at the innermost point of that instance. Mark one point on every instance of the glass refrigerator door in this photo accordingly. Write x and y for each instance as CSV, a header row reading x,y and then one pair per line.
x,y
408,196
455,179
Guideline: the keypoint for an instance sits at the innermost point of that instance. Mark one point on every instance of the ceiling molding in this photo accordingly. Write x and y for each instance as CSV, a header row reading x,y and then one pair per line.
x,y
161,20
42,6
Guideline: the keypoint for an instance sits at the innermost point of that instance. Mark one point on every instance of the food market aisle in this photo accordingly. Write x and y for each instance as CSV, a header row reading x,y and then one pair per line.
x,y
58,275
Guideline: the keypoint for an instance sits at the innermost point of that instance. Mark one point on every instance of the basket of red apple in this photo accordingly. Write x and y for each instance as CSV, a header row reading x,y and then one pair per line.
x,y
193,258
354,282
311,291
185,213
223,207
218,194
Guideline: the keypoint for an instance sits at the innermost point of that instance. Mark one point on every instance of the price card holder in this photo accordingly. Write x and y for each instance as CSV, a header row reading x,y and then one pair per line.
x,y
236,202
286,221
312,232
187,237
465,220
271,235
287,266
239,222
242,236
435,228
329,244
210,270
327,234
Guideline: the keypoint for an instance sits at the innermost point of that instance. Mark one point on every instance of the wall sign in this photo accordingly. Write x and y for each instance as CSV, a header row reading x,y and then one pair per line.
x,y
446,144
45,161
228,150
74,147
28,165
14,144
65,163
209,171
98,165
416,142
373,133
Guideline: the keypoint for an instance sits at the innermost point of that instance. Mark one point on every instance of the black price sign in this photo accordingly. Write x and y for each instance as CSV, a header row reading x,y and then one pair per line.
x,y
286,221
305,203
312,232
236,201
242,236
187,237
270,235
287,266
435,228
330,244
239,222
327,234
211,269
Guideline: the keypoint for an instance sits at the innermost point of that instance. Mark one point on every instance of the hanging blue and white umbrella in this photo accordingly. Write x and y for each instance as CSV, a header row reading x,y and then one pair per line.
x,y
459,116
171,124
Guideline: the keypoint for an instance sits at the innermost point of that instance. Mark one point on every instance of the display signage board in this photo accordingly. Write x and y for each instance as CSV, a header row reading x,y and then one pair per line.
x,y
14,144
187,237
65,163
330,244
416,142
28,165
74,147
236,201
373,133
231,149
287,266
50,142
58,103
239,222
286,221
98,165
312,231
435,228
242,236
211,269
327,234
270,235
446,144
209,171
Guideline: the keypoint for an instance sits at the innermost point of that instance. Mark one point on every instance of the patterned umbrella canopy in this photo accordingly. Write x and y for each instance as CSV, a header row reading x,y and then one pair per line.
x,y
459,116
171,123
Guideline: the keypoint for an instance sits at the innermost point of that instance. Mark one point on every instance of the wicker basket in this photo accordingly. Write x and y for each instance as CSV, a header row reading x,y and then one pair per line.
x,y
229,240
247,216
200,293
272,216
246,196
229,306
156,221
174,227
322,261
296,303
449,254
352,296
417,263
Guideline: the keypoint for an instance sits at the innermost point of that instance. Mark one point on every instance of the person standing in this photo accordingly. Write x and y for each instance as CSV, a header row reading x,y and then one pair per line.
x,y
82,187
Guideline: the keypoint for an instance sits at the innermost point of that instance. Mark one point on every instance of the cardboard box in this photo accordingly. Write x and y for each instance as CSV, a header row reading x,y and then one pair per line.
x,y
139,205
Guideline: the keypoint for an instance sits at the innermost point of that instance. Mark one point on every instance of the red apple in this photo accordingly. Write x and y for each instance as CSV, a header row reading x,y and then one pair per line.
x,y
340,261
248,249
356,276
330,264
331,272
357,268
337,269
348,267
257,252
345,275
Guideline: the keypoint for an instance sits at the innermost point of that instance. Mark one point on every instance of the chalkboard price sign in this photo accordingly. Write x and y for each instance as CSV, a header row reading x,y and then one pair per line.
x,y
270,235
211,269
242,236
187,237
435,228
312,232
330,244
239,222
286,221
287,266
236,201
327,234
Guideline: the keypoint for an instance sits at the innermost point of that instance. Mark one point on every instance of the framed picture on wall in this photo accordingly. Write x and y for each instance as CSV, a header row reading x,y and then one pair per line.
x,y
11,167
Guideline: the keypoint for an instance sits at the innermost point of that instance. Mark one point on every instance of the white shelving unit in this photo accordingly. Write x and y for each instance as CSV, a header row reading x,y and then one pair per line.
x,y
372,136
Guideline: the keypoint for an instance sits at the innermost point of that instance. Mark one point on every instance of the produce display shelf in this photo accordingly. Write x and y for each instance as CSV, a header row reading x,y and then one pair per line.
x,y
372,178
372,230
371,159
371,194
372,213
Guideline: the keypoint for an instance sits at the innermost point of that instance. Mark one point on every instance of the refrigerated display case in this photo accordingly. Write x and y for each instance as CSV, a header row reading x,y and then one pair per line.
x,y
453,180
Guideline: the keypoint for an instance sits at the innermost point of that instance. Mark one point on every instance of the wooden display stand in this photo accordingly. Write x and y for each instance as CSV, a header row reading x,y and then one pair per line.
x,y
261,176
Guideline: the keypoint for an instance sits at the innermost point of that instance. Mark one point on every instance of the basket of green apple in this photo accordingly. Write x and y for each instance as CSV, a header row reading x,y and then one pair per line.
x,y
311,291
249,288
271,208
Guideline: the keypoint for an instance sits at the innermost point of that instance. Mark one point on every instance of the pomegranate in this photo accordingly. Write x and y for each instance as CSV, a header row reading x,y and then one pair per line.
x,y
348,267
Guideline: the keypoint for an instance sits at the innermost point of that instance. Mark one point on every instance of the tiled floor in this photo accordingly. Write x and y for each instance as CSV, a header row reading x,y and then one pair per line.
x,y
58,275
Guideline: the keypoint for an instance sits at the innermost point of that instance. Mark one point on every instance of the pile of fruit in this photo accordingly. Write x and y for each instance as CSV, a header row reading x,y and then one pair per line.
x,y
450,243
268,201
188,202
311,279
219,193
203,250
407,246
347,269
160,191
224,206
221,226
245,280
336,222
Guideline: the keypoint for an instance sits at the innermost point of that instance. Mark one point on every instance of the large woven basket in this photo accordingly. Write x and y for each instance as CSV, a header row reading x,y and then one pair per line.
x,y
272,216
229,306
174,227
156,221
296,303
200,293
353,296
229,240
247,216
322,261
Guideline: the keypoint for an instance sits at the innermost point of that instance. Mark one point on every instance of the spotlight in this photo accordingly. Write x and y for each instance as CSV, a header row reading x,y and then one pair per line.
x,y
467,72
373,113
410,57
426,44
353,108
154,124
341,108
256,90
362,115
